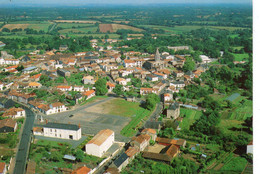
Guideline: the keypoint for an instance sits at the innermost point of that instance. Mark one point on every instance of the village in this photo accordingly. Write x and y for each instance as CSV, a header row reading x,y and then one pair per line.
x,y
62,90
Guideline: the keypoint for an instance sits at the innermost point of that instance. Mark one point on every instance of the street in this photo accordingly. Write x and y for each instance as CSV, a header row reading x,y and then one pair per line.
x,y
22,153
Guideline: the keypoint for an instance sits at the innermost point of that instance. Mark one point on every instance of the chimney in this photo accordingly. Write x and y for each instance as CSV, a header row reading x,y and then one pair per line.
x,y
79,125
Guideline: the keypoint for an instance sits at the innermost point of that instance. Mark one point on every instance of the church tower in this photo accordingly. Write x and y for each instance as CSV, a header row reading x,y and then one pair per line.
x,y
157,55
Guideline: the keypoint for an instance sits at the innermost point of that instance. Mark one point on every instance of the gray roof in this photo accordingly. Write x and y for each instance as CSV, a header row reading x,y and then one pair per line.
x,y
174,106
178,82
62,126
153,124
69,157
30,68
120,160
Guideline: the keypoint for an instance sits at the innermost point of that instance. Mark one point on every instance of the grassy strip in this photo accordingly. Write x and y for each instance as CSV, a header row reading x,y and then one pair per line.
x,y
130,129
92,99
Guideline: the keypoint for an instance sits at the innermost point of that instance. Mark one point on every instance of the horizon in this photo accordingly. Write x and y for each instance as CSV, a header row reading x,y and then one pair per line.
x,y
76,3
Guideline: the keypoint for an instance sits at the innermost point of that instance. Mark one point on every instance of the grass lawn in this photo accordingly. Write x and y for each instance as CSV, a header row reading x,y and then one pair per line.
x,y
122,107
190,116
241,57
237,164
93,99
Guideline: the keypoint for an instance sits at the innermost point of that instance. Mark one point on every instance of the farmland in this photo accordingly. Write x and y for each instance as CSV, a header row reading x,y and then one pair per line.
x,y
114,27
190,116
76,21
31,25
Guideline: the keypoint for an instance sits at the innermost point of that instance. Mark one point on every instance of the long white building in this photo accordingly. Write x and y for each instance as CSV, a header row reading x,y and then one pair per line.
x,y
100,143
60,130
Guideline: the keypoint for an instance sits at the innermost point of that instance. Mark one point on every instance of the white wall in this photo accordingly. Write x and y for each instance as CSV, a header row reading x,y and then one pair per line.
x,y
62,133
95,150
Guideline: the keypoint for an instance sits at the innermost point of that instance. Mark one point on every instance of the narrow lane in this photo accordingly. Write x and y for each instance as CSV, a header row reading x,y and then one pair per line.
x,y
23,149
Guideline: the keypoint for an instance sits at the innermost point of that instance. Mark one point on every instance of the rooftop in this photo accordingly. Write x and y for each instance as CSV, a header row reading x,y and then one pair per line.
x,y
62,126
101,137
120,159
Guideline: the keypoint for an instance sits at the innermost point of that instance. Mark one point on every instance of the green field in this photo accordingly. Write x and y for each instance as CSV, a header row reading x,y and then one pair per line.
x,y
70,25
111,36
190,116
240,57
236,164
187,28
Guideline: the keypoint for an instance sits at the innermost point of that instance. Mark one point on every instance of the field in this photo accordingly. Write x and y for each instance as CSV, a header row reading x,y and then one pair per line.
x,y
241,57
126,22
114,27
236,165
36,26
187,28
76,25
190,116
76,21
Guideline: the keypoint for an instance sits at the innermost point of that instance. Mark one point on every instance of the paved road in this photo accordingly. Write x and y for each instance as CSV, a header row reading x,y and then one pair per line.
x,y
22,153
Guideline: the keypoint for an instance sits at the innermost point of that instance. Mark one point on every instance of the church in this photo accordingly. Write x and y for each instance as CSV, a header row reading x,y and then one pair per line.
x,y
155,64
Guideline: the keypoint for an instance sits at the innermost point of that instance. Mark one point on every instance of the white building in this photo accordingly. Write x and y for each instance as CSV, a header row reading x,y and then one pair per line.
x,y
205,59
64,131
14,113
65,88
58,107
249,148
78,88
1,86
100,143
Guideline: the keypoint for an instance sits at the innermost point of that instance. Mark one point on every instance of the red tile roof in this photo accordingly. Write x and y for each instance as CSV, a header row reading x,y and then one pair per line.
x,y
81,170
2,167
88,93
7,123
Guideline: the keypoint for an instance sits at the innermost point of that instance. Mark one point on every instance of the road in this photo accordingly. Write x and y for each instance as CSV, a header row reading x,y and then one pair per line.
x,y
23,149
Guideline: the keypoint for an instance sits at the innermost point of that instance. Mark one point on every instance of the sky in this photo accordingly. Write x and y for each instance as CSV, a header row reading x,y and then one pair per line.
x,y
85,2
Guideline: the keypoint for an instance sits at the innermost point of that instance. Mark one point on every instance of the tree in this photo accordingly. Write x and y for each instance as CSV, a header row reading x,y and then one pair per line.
x,y
101,87
79,155
20,68
189,65
56,156
118,89
151,101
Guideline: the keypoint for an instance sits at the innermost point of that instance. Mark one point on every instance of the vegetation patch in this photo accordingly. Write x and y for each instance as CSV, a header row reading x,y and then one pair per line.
x,y
237,164
114,27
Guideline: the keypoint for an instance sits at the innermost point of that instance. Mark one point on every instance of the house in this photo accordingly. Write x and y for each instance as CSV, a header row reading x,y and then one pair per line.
x,y
112,170
152,77
14,113
205,59
89,94
100,143
131,152
36,77
1,86
178,84
144,91
57,107
121,81
34,85
45,109
177,48
167,141
88,80
63,72
141,141
64,131
173,112
64,88
63,47
249,148
129,63
30,70
160,75
178,73
78,88
38,131
110,86
167,97
8,125
82,170
150,132
166,154
121,161
3,168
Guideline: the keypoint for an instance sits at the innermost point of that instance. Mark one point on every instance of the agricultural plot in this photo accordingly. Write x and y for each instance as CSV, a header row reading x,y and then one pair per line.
x,y
37,27
190,116
111,36
235,165
114,27
233,97
240,57
77,21
74,25
78,30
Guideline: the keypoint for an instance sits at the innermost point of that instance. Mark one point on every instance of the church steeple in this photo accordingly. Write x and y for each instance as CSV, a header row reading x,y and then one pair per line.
x,y
157,55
